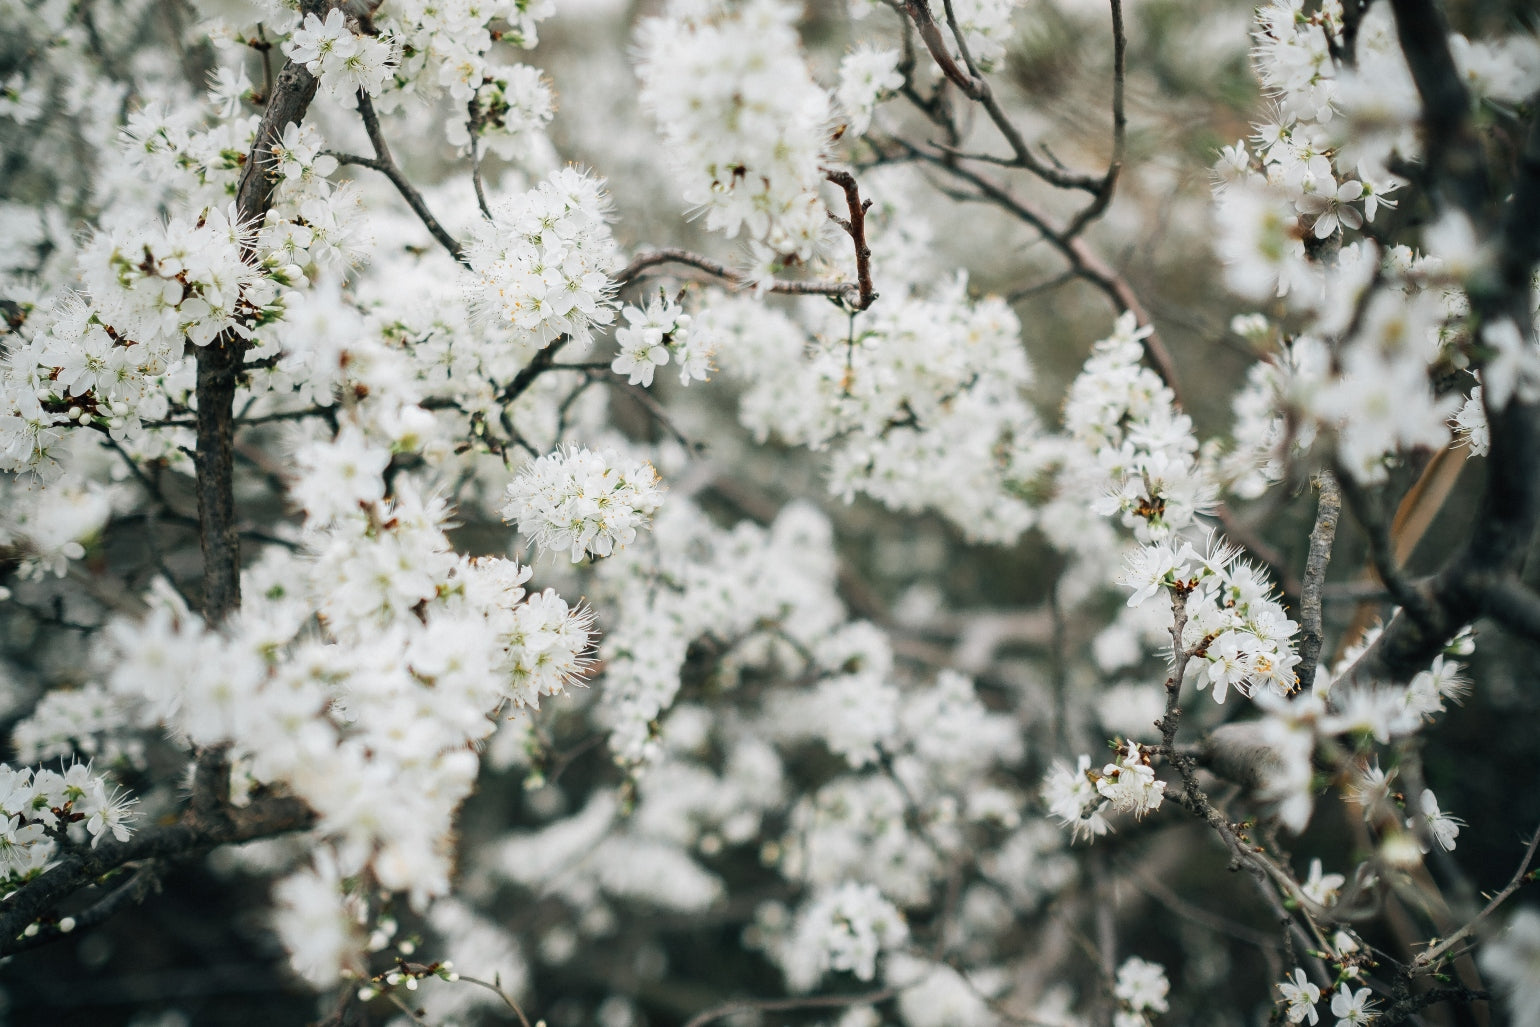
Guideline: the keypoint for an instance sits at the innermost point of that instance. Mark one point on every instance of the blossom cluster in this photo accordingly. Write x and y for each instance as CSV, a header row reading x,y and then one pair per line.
x,y
1142,443
1239,632
867,76
743,121
1313,176
1141,987
755,723
453,49
921,403
357,676
1080,798
846,929
103,359
344,60
584,502
37,808
540,267
657,333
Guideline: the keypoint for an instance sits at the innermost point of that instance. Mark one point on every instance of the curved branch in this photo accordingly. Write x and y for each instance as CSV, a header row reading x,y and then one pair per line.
x,y
846,292
779,1005
1086,264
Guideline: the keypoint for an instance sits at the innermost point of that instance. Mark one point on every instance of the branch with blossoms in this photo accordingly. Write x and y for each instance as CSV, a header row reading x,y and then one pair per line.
x,y
37,901
776,749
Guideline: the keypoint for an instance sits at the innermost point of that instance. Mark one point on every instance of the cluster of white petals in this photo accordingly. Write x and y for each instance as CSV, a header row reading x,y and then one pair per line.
x,y
344,59
540,268
451,49
583,502
1129,783
1141,987
656,334
922,407
867,75
847,928
36,806
743,122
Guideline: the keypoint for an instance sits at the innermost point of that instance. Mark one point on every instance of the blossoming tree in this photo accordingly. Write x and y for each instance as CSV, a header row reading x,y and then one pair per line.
x,y
439,543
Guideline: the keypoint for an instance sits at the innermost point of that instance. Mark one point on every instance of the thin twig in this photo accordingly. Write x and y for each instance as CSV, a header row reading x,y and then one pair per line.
x,y
131,892
1028,291
1270,878
1085,264
645,400
386,165
475,133
781,1005
1430,958
1104,191
846,292
973,84
855,227
500,993
1408,596
1161,893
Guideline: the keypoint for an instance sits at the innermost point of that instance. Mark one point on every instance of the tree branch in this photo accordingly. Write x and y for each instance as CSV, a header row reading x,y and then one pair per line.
x,y
1085,264
1328,510
855,227
385,164
973,84
192,834
845,292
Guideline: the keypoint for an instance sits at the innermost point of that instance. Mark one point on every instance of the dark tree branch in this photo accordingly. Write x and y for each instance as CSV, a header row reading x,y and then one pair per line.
x,y
1108,184
1514,605
386,165
1381,551
130,893
1328,509
974,86
191,835
1451,147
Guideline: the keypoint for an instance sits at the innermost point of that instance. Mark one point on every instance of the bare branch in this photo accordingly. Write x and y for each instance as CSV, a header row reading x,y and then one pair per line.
x,y
475,134
1104,191
1431,958
846,292
973,84
1085,264
1410,597
855,227
386,165
782,1005
131,892
1328,509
